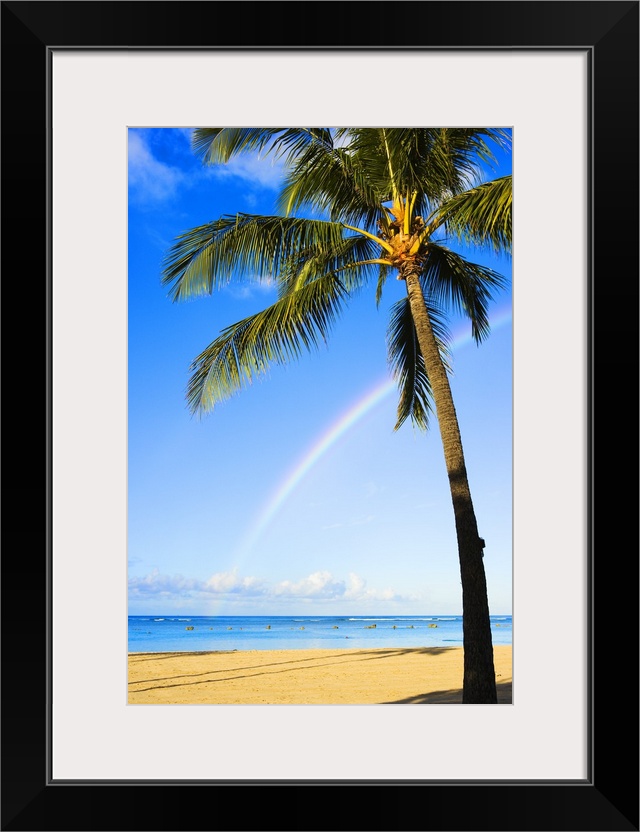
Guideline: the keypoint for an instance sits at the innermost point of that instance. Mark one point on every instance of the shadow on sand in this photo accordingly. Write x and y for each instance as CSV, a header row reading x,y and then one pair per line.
x,y
297,664
453,697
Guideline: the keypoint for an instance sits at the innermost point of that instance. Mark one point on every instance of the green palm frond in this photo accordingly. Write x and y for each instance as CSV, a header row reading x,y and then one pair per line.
x,y
365,190
390,157
383,274
351,261
480,216
458,152
298,322
407,363
329,179
432,162
244,245
467,287
215,145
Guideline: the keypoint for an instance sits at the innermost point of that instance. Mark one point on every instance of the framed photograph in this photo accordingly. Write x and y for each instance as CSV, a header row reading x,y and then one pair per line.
x,y
83,81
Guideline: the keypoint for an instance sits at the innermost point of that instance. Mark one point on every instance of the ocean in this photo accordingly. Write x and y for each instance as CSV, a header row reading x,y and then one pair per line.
x,y
172,633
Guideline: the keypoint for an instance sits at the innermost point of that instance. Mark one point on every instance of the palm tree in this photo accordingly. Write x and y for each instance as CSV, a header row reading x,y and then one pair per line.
x,y
357,206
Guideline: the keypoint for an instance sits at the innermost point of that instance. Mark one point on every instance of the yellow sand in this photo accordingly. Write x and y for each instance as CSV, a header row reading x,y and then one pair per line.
x,y
313,677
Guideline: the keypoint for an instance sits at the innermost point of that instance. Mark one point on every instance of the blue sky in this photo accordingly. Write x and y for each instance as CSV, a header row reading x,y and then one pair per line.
x,y
294,496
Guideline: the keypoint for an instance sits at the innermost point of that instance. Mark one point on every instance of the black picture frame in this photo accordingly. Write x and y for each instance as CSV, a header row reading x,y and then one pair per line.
x,y
608,798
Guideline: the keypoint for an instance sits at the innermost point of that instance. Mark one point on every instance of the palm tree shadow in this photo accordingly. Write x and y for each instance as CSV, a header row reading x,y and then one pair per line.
x,y
453,696
213,676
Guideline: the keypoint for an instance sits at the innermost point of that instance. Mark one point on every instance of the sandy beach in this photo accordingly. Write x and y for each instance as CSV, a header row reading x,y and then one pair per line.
x,y
430,675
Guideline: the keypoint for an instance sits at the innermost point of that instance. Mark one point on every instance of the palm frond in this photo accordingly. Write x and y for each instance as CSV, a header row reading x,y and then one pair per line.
x,y
216,145
480,216
407,363
467,287
329,179
368,185
466,146
351,261
432,162
244,245
383,274
295,323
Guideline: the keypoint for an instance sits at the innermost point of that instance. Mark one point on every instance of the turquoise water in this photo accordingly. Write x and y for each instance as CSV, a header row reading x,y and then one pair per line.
x,y
159,634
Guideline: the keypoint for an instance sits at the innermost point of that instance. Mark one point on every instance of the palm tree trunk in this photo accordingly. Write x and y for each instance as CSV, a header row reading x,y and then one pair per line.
x,y
479,684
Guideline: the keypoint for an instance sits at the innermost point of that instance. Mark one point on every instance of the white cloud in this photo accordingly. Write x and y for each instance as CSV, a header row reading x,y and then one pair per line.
x,y
150,180
222,583
186,132
225,582
320,585
357,591
266,172
317,585
249,290
356,583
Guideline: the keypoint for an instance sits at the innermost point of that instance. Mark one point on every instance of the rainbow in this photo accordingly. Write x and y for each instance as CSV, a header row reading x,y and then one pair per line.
x,y
321,445
354,413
